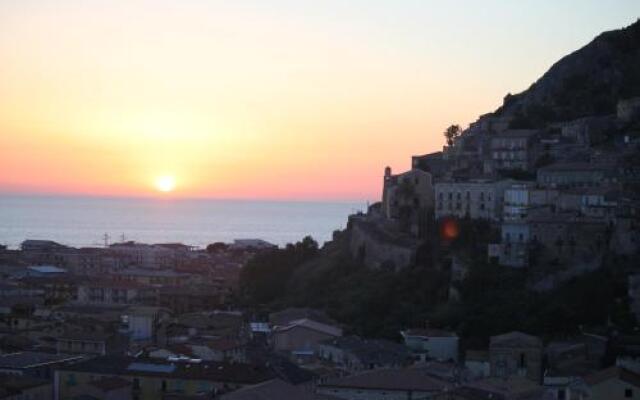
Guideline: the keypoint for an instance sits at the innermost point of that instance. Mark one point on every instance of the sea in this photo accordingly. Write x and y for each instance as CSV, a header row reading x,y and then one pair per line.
x,y
96,221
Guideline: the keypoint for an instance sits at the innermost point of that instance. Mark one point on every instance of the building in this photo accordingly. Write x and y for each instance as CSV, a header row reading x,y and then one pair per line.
x,y
302,334
407,197
613,383
352,353
114,292
153,379
429,343
396,384
141,323
433,163
513,149
521,198
574,174
145,276
106,388
96,343
516,354
377,248
477,363
474,199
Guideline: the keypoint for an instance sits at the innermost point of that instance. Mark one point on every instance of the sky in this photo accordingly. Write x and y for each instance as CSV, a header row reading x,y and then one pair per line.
x,y
260,99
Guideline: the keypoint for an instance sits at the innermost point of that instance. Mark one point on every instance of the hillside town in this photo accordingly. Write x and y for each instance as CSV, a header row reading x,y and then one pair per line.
x,y
557,199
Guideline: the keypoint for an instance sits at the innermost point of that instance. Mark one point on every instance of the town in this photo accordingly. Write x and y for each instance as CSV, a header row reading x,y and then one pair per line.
x,y
544,193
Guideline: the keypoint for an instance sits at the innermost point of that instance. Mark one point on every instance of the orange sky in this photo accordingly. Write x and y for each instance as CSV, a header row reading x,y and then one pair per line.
x,y
295,100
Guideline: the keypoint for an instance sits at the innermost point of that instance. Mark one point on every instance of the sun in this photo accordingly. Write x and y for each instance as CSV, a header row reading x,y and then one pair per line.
x,y
165,183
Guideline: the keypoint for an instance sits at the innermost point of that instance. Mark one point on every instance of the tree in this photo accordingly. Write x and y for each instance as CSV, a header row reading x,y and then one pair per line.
x,y
451,133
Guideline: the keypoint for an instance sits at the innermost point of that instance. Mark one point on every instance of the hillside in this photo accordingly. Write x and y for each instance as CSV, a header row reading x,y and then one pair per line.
x,y
588,81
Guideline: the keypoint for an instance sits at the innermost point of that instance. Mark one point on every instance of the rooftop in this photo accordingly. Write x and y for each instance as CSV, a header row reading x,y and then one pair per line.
x,y
196,370
390,380
272,390
31,359
310,324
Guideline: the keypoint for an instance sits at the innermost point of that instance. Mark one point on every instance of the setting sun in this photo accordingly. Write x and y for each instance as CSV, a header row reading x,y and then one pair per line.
x,y
165,183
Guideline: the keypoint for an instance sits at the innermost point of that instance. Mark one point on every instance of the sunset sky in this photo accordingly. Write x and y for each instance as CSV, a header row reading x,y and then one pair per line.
x,y
260,99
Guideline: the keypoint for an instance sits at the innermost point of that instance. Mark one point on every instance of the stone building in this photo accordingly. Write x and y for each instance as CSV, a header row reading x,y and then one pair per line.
x,y
513,149
378,248
474,199
407,197
516,354
575,174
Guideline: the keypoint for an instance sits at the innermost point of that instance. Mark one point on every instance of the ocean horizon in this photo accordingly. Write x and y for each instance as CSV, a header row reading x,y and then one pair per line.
x,y
83,221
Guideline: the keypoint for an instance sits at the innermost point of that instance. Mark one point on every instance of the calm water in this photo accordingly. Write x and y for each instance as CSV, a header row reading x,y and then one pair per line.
x,y
83,221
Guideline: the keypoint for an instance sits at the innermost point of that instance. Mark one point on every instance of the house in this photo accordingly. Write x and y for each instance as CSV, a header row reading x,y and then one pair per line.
x,y
149,276
397,384
355,354
152,379
430,343
302,334
477,363
86,342
34,364
141,323
477,199
105,388
516,354
613,383
566,363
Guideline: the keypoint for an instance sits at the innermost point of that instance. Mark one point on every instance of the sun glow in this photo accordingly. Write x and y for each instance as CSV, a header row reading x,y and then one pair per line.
x,y
165,183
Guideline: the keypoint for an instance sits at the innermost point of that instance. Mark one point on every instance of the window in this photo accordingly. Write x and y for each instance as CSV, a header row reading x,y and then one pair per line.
x,y
71,380
163,386
136,383
562,394
628,393
523,361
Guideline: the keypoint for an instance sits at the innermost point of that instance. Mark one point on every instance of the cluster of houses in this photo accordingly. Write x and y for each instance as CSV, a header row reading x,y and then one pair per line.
x,y
296,353
561,195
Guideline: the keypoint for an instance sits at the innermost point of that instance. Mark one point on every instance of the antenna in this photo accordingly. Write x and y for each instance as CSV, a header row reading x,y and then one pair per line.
x,y
123,238
106,238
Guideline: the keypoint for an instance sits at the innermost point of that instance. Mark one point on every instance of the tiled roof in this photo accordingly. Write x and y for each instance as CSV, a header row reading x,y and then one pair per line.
x,y
613,373
272,390
202,370
390,380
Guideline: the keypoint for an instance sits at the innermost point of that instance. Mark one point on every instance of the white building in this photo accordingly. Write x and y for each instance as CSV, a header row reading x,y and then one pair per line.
x,y
432,343
474,199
